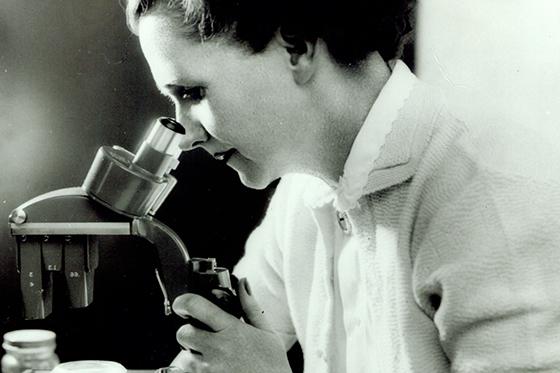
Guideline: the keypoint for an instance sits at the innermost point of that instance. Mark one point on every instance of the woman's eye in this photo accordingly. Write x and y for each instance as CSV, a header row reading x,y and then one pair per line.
x,y
190,94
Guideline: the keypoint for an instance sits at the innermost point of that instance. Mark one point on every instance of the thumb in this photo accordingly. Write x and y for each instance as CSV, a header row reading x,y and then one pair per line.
x,y
254,314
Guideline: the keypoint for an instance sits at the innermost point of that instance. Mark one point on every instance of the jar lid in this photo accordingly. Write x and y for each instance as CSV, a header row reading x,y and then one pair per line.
x,y
30,338
90,366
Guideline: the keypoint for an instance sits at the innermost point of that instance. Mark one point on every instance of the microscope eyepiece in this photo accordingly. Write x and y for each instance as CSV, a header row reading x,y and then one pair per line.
x,y
172,124
164,138
137,184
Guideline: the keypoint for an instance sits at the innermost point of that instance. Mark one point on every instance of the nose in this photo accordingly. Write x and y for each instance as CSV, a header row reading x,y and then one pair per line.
x,y
195,134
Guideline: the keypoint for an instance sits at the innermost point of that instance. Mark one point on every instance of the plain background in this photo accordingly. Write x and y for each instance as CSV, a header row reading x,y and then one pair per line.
x,y
494,59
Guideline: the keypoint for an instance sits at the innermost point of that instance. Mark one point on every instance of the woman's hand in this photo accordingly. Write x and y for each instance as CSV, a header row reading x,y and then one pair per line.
x,y
232,346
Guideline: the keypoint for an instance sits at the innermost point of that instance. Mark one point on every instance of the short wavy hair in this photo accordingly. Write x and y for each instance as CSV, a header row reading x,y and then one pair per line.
x,y
351,30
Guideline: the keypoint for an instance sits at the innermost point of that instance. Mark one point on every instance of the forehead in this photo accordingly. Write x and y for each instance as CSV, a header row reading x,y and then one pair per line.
x,y
169,52
161,37
173,56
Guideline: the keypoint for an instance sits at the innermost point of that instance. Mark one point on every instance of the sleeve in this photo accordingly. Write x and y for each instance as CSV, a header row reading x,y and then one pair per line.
x,y
262,266
487,270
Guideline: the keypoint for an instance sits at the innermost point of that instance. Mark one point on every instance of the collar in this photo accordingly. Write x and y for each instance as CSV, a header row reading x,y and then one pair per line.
x,y
375,146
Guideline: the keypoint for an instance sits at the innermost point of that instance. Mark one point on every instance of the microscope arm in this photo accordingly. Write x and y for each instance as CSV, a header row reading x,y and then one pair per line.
x,y
172,257
57,232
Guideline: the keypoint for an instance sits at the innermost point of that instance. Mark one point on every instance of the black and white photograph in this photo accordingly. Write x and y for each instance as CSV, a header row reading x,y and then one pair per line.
x,y
264,186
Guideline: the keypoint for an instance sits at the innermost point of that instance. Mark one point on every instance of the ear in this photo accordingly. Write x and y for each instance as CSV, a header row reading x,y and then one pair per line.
x,y
300,56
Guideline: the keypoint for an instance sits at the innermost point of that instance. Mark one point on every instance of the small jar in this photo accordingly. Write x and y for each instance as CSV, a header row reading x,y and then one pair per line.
x,y
29,350
170,370
90,366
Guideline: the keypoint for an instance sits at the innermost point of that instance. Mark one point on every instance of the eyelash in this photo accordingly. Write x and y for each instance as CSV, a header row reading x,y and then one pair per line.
x,y
194,94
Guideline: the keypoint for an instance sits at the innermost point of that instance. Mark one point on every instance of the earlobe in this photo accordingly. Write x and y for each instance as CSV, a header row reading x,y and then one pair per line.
x,y
300,56
303,65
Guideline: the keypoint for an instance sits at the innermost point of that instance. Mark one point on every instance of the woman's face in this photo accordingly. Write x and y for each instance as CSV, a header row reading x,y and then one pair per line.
x,y
244,109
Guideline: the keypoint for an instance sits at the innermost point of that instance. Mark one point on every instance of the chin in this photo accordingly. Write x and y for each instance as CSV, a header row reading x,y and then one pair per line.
x,y
258,184
250,174
255,179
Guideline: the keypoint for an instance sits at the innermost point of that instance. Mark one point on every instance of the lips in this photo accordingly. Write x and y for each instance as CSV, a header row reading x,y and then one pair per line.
x,y
224,156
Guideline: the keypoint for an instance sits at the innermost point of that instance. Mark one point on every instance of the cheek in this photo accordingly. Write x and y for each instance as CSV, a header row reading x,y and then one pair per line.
x,y
245,117
222,115
225,120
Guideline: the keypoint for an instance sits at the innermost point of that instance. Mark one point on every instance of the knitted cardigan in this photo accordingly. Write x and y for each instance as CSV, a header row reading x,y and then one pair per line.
x,y
458,235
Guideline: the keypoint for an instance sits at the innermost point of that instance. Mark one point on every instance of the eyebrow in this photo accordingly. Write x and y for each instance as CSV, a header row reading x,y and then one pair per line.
x,y
167,87
168,90
175,85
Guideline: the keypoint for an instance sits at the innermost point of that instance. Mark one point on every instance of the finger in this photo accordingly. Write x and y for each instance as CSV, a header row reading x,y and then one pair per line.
x,y
254,314
193,338
203,310
186,361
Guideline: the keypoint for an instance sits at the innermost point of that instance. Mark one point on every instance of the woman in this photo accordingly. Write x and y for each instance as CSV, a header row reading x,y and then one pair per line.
x,y
399,239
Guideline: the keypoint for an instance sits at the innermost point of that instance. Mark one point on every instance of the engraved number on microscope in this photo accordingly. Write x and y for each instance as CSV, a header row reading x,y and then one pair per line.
x,y
74,274
30,274
52,267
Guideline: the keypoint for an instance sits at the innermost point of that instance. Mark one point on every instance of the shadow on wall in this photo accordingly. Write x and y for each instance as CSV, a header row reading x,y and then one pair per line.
x,y
72,78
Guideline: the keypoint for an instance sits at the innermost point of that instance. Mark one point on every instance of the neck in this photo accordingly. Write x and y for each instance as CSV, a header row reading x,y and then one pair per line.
x,y
346,98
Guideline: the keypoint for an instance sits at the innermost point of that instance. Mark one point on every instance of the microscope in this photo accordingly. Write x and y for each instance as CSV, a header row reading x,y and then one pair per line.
x,y
59,231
